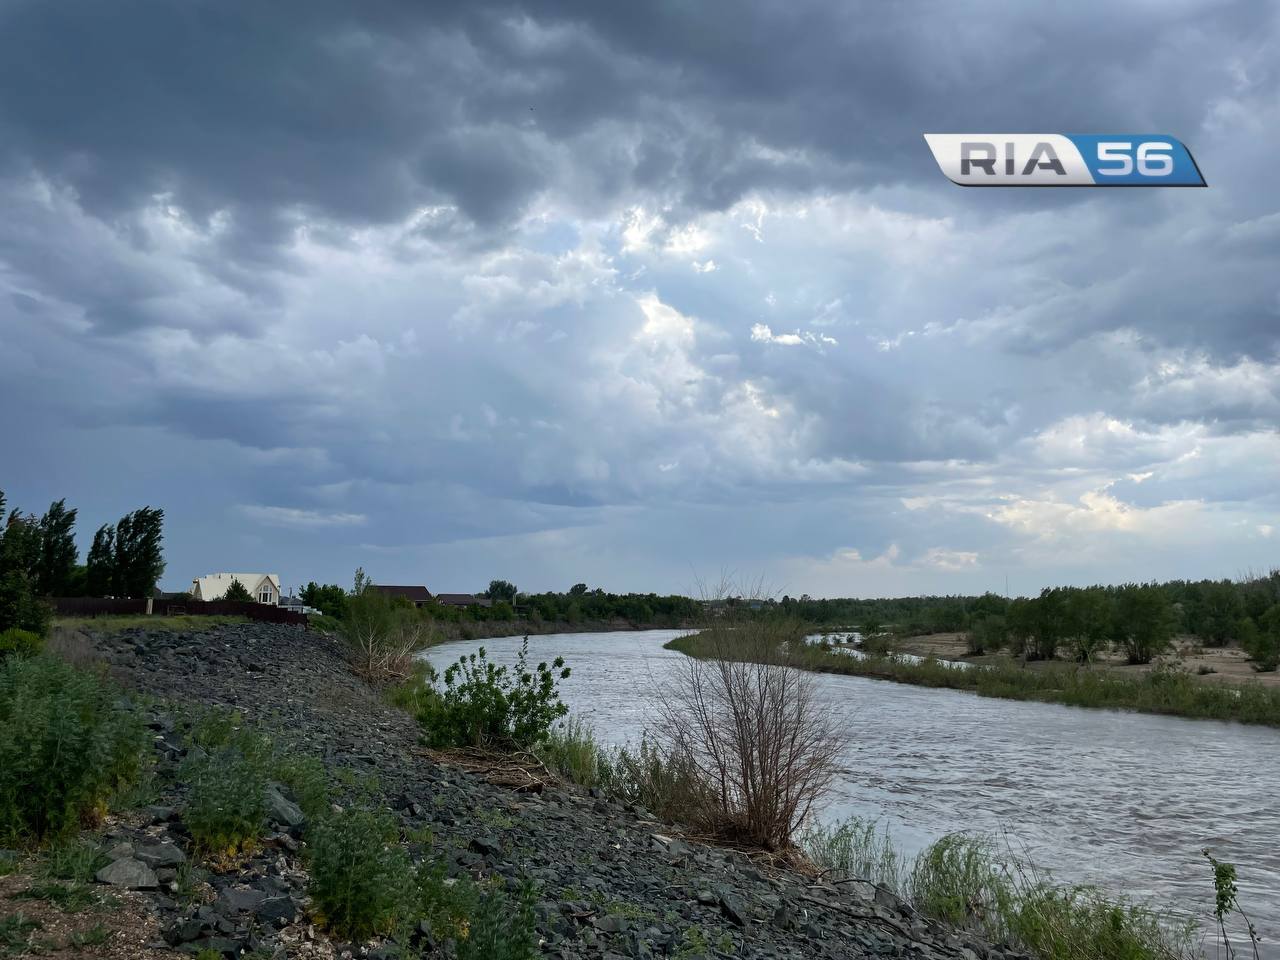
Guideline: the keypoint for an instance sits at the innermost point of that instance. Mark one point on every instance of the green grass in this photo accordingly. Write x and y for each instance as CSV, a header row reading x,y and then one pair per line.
x,y
114,624
1163,690
964,880
15,933
71,897
571,750
95,936
856,848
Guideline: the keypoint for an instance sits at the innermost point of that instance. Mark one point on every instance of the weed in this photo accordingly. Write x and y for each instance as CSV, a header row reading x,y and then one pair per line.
x,y
227,807
67,742
95,936
855,849
71,897
359,873
15,933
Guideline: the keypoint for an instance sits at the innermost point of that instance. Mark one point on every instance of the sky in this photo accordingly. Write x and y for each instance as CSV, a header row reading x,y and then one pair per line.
x,y
641,295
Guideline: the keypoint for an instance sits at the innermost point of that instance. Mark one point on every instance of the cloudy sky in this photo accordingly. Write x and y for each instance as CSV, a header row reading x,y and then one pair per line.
x,y
641,294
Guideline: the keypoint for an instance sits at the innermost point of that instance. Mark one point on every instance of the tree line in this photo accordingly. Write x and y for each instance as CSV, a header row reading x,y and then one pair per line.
x,y
39,559
579,603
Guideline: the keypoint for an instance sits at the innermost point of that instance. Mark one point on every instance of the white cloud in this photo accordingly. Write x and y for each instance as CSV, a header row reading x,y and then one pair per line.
x,y
299,518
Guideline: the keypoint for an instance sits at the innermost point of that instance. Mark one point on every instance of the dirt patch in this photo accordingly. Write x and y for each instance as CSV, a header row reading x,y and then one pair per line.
x,y
117,926
1227,664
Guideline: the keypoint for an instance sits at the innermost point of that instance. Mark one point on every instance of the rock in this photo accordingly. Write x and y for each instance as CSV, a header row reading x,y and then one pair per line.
x,y
486,846
231,902
120,851
283,810
128,873
160,854
611,923
184,931
731,907
277,910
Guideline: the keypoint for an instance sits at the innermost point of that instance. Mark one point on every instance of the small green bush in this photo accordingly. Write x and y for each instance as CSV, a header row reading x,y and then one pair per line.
x,y
67,742
360,877
22,643
484,922
483,704
232,763
226,809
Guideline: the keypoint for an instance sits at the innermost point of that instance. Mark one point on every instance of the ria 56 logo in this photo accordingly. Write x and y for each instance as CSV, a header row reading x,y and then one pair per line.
x,y
1061,160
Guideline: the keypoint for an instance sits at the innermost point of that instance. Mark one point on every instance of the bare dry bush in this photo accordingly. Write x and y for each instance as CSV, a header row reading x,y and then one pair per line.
x,y
383,637
754,728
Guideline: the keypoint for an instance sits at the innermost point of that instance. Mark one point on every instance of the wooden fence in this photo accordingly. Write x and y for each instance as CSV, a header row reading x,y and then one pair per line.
x,y
99,607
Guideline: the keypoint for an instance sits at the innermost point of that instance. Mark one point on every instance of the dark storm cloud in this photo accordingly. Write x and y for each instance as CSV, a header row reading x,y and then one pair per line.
x,y
476,270
267,106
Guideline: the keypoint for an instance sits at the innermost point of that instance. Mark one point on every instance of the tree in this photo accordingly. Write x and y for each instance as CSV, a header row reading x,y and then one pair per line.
x,y
20,544
1262,642
577,590
361,583
139,557
237,591
1220,609
19,605
1143,621
56,563
100,565
502,590
330,599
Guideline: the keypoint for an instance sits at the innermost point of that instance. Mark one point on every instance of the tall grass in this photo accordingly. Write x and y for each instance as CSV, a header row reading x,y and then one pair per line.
x,y
965,880
856,848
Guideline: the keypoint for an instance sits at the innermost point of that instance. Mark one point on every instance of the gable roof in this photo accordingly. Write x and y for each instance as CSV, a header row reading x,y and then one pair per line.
x,y
414,594
462,599
214,585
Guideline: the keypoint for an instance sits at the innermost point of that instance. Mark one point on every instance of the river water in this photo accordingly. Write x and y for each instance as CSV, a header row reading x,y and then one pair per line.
x,y
1124,800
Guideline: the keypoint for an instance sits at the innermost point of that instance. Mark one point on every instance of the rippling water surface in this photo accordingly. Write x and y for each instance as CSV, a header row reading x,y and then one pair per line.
x,y
1124,800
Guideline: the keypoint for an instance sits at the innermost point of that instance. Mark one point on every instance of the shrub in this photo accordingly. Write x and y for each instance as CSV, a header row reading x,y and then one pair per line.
x,y
483,704
359,874
67,741
986,634
483,922
230,768
227,808
383,636
22,643
743,715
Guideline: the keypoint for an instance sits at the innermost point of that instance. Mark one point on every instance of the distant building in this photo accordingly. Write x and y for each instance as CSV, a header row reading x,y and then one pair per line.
x,y
462,600
295,605
263,587
418,596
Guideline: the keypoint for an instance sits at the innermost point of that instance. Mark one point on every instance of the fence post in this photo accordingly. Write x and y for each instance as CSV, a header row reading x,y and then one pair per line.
x,y
150,601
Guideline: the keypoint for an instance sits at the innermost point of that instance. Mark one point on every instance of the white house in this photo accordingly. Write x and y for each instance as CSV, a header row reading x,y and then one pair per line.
x,y
263,587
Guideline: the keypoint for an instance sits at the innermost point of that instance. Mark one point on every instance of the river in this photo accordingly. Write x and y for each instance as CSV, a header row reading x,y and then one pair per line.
x,y
1123,800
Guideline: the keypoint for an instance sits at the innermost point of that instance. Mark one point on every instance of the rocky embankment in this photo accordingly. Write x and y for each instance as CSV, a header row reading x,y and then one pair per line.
x,y
613,882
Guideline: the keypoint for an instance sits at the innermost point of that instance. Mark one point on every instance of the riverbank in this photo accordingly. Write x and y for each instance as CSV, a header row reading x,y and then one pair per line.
x,y
1168,690
611,881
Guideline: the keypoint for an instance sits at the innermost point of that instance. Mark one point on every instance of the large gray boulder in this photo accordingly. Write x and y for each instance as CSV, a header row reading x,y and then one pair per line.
x,y
128,873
